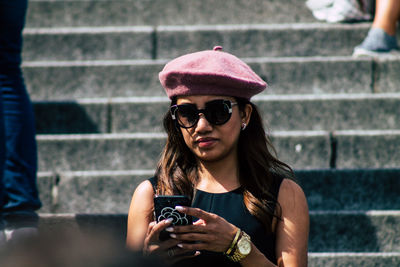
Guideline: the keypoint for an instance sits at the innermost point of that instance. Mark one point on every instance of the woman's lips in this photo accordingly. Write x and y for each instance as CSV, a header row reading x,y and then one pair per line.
x,y
206,142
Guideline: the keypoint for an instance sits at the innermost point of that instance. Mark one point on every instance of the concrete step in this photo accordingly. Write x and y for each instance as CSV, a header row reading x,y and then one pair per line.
x,y
43,44
353,259
48,13
89,191
330,112
371,231
111,191
281,113
127,78
277,40
359,189
368,149
163,42
300,149
305,150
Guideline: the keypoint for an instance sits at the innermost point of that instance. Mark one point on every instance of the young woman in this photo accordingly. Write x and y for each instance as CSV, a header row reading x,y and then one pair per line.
x,y
248,209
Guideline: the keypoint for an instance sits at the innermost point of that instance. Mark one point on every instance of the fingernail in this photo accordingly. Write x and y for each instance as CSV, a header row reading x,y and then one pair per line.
x,y
179,208
197,253
180,245
169,220
169,229
173,235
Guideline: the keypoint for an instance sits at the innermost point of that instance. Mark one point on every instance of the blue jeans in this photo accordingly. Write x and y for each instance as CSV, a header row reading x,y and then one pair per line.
x,y
18,154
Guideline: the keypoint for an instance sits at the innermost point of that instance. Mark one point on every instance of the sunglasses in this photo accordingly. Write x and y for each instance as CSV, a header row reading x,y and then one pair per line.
x,y
217,112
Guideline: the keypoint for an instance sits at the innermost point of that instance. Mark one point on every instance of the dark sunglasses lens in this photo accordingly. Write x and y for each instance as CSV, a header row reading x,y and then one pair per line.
x,y
187,115
217,112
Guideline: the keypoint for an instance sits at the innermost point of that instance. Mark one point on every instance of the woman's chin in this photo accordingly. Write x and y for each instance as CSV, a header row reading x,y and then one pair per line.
x,y
210,156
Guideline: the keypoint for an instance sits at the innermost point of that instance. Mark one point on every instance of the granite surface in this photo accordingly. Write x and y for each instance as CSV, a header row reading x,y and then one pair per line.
x,y
70,117
353,260
304,152
325,189
358,232
138,116
88,44
374,150
327,113
262,40
98,153
166,42
63,82
351,189
122,78
332,113
102,194
129,153
387,75
160,12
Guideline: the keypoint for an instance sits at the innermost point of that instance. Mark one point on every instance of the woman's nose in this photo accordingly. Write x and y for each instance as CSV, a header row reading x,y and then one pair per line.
x,y
203,124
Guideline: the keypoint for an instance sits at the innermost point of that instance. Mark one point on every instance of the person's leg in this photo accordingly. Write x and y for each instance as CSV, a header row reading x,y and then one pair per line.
x,y
2,161
387,13
381,38
19,175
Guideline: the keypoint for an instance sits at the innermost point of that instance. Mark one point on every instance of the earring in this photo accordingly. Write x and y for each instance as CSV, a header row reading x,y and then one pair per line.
x,y
244,125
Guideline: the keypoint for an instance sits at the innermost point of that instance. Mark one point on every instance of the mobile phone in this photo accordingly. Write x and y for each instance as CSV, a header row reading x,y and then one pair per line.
x,y
164,208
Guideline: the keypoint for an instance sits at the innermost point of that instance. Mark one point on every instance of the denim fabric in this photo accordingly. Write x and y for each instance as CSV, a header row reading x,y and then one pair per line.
x,y
18,153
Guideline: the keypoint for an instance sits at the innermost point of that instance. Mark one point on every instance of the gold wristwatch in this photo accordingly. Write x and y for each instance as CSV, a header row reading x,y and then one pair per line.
x,y
242,248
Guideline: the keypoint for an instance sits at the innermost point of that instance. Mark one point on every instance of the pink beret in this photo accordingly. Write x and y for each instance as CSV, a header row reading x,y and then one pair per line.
x,y
210,72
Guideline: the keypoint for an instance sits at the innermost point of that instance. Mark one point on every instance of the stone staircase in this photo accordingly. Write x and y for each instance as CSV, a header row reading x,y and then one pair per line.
x,y
91,67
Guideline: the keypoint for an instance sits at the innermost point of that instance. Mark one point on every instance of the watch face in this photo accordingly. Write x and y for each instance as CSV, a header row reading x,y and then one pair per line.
x,y
244,246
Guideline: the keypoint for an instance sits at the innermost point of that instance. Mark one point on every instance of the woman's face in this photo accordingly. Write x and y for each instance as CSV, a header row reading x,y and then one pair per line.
x,y
213,142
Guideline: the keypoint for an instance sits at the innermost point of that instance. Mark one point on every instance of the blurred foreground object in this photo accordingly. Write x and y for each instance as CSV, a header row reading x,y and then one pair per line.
x,y
72,249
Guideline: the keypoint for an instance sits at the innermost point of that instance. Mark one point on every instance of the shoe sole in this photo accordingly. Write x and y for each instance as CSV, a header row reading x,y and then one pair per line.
x,y
361,52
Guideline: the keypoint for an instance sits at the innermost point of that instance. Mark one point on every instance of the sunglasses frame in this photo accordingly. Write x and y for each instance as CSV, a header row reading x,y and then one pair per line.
x,y
228,103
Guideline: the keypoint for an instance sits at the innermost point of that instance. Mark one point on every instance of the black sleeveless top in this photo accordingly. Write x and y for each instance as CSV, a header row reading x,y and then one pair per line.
x,y
230,206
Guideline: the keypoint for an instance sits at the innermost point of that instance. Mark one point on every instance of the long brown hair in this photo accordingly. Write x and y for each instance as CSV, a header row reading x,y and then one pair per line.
x,y
259,167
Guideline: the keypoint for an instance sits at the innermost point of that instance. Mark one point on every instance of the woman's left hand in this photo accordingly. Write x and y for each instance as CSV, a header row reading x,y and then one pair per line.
x,y
211,232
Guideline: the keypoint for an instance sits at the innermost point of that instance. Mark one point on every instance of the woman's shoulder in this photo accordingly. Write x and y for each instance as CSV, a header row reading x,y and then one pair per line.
x,y
142,199
146,188
291,194
289,186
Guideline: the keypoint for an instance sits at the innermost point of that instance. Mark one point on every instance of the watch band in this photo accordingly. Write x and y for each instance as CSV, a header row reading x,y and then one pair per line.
x,y
235,255
234,241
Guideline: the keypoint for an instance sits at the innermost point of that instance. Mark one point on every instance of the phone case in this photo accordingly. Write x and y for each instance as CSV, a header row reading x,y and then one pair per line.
x,y
164,208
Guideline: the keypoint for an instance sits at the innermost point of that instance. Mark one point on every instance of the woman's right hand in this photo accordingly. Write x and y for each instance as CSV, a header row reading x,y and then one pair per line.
x,y
166,250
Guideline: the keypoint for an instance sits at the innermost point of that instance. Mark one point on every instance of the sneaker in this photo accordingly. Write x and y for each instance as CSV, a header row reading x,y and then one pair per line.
x,y
377,44
339,11
319,4
362,52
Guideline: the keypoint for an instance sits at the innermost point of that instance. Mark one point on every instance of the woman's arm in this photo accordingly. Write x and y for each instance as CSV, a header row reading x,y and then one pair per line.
x,y
143,233
292,231
140,215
